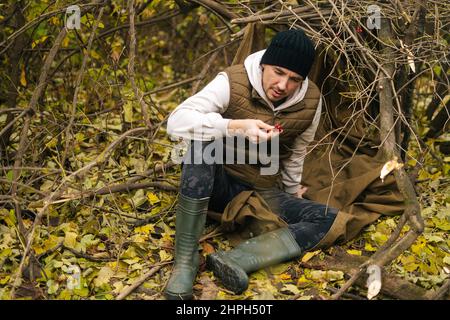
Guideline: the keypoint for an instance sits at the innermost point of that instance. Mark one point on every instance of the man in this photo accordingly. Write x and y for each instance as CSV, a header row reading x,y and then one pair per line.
x,y
268,97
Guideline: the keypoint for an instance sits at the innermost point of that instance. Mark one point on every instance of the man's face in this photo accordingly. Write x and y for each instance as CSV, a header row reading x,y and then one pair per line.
x,y
278,82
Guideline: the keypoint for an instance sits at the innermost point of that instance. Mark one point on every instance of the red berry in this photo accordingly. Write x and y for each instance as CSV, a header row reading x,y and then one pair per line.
x,y
279,127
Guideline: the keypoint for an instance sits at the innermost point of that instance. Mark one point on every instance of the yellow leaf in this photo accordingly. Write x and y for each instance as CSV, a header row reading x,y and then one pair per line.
x,y
419,246
126,206
139,238
7,252
290,288
52,286
309,255
116,53
65,295
285,276
411,267
442,224
379,238
70,240
118,287
104,275
48,244
145,229
36,42
65,42
79,136
369,247
279,268
95,55
429,268
128,111
302,281
153,198
130,253
5,280
221,295
52,143
446,260
139,198
408,262
55,21
131,261
23,78
259,275
354,252
164,255
83,292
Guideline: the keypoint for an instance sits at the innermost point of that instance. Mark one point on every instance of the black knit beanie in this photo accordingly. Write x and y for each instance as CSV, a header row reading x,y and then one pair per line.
x,y
292,50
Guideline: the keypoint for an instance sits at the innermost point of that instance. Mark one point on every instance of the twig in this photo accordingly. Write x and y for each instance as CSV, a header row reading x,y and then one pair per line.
x,y
77,86
442,292
346,294
88,257
118,188
173,85
150,21
23,137
219,10
349,283
141,280
131,74
204,71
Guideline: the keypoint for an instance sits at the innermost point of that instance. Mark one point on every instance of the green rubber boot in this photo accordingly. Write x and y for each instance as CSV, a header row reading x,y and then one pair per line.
x,y
189,225
271,248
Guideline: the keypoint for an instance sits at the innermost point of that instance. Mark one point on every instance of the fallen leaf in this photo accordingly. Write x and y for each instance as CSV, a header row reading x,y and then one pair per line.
x,y
207,248
209,288
309,255
354,252
290,288
104,275
70,239
389,166
164,255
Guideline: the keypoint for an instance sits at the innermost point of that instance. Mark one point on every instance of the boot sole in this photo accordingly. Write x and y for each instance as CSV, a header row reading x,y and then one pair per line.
x,y
233,277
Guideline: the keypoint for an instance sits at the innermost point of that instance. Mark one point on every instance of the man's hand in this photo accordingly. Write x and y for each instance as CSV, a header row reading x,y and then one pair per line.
x,y
255,130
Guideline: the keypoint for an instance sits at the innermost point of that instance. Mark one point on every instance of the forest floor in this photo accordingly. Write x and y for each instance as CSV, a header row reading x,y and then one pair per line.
x,y
95,247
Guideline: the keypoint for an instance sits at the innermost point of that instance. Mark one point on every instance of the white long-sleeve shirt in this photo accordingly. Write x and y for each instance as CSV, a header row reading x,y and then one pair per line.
x,y
200,117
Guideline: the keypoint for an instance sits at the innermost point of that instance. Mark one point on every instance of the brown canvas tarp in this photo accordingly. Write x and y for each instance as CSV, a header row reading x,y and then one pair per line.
x,y
342,168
